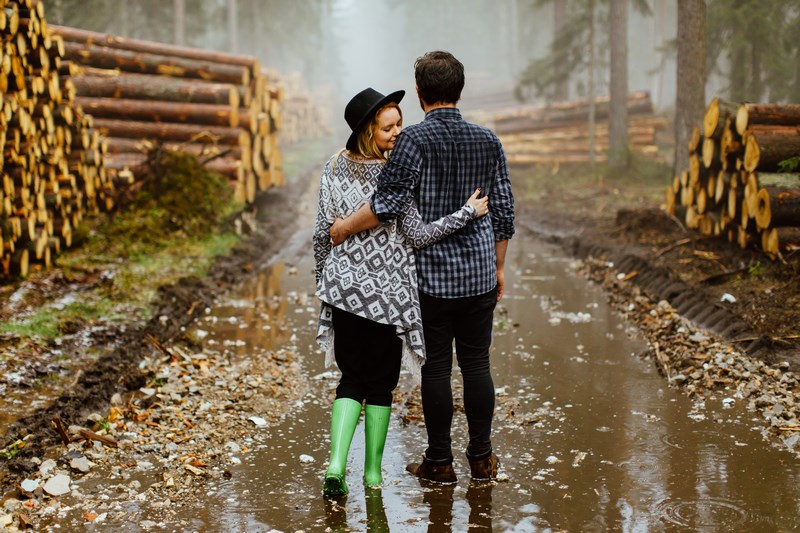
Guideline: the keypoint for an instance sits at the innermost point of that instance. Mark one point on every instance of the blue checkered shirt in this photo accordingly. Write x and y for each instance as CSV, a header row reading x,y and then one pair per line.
x,y
441,161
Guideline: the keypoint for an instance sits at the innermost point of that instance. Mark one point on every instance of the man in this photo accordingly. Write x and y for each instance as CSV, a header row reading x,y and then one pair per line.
x,y
440,161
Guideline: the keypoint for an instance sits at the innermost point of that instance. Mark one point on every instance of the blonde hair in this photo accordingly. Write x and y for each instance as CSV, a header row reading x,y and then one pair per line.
x,y
366,146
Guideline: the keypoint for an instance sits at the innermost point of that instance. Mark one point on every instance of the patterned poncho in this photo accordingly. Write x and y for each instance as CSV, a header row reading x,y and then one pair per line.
x,y
372,274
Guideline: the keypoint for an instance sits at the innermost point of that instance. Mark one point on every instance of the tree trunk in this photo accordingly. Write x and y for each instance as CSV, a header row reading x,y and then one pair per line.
x,y
591,92
691,78
179,18
618,113
233,26
559,19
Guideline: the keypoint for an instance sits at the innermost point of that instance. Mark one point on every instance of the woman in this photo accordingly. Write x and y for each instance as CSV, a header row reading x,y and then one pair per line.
x,y
368,285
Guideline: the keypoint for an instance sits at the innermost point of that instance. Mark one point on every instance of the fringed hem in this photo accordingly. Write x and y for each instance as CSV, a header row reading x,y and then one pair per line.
x,y
413,362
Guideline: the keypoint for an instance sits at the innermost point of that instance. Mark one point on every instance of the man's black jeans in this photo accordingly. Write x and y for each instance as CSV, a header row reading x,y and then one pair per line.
x,y
468,321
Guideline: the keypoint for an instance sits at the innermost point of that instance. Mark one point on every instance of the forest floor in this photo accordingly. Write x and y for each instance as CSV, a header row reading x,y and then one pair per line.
x,y
671,282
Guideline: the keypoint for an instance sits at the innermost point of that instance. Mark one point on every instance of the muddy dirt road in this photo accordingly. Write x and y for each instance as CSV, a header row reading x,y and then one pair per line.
x,y
590,436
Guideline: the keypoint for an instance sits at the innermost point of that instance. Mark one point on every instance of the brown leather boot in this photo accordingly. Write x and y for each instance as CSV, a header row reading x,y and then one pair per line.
x,y
485,468
433,472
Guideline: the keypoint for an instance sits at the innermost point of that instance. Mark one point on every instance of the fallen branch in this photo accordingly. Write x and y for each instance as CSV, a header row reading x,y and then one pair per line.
x,y
722,276
160,347
672,246
91,435
62,431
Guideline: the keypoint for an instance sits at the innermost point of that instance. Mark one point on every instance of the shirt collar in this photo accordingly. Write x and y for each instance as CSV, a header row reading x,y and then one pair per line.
x,y
444,113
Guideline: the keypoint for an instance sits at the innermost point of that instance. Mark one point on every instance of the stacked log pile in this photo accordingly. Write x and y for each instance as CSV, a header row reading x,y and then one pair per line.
x,y
558,133
52,165
219,106
743,177
303,117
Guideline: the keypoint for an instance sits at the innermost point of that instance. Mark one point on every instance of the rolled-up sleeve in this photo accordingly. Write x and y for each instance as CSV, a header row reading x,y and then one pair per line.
x,y
398,179
501,200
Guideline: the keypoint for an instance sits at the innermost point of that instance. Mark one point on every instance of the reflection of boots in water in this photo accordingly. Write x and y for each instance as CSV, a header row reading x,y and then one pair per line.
x,y
335,513
479,497
440,499
344,419
376,424
376,514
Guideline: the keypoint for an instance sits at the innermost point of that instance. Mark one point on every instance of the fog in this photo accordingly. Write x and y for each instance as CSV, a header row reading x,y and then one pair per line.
x,y
338,47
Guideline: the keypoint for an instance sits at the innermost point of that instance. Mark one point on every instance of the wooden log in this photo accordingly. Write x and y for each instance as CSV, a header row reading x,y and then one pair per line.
x,y
711,153
723,185
701,200
172,132
779,179
777,207
118,145
124,160
715,115
688,195
766,114
780,240
90,38
697,171
19,265
147,87
560,114
669,200
155,111
145,63
765,149
695,141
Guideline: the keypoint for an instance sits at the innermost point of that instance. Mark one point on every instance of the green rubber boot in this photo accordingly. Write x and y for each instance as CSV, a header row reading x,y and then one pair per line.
x,y
376,425
344,419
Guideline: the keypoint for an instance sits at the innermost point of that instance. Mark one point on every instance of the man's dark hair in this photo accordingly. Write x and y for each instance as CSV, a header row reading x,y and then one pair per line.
x,y
440,77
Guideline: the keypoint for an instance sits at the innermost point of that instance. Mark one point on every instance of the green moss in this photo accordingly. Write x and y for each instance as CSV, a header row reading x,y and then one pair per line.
x,y
43,324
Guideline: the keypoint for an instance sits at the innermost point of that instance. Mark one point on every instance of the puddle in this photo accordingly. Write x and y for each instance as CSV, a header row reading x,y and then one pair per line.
x,y
590,437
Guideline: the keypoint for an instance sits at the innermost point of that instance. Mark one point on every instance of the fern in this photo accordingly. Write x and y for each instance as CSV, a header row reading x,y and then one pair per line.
x,y
789,165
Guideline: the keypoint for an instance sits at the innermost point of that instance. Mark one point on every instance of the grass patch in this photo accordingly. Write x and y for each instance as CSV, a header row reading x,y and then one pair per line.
x,y
43,325
643,181
295,158
173,223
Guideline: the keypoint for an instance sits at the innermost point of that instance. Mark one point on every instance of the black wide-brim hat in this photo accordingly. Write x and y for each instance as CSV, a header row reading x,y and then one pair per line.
x,y
362,107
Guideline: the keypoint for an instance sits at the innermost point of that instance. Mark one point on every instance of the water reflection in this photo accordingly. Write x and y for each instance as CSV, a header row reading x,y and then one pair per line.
x,y
336,512
590,436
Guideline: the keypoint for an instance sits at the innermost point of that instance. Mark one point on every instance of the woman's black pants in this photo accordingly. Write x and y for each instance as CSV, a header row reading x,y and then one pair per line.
x,y
368,353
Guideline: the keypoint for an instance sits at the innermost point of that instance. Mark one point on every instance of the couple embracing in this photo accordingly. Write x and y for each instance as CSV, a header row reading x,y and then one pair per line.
x,y
405,268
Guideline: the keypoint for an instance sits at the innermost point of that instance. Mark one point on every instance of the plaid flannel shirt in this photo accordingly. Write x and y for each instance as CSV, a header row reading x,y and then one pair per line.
x,y
441,161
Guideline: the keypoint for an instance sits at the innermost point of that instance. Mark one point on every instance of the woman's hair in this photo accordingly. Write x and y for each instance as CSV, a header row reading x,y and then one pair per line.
x,y
366,146
440,78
